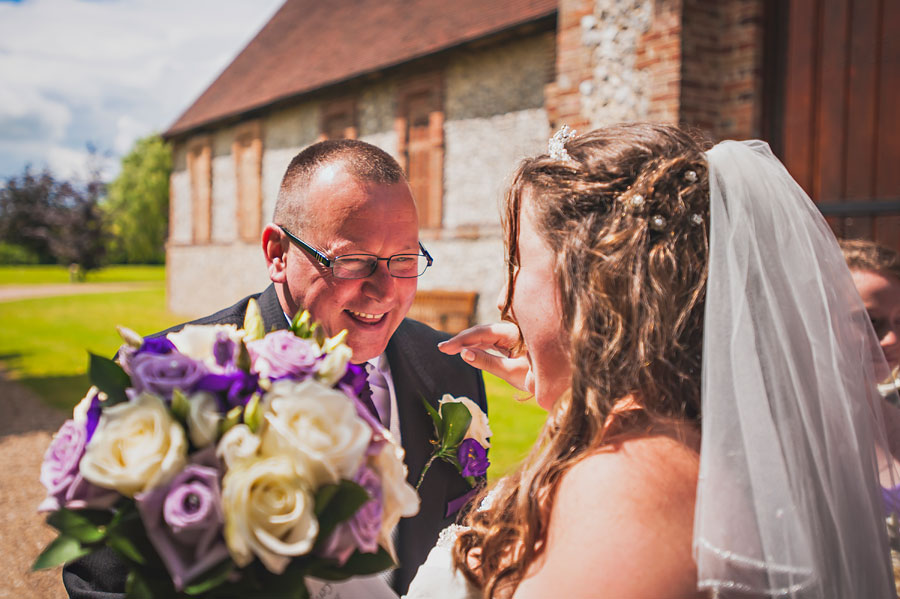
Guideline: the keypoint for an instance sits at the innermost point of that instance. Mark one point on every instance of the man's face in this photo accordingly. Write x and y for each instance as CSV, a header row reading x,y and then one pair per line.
x,y
353,216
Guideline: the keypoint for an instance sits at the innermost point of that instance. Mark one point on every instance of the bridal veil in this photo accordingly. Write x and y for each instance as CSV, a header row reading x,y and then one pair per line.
x,y
788,502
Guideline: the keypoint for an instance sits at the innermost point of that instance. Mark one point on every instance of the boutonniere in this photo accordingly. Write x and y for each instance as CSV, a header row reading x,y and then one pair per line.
x,y
462,432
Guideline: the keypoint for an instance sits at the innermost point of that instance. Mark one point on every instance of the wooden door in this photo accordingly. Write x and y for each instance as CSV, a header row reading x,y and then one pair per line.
x,y
840,123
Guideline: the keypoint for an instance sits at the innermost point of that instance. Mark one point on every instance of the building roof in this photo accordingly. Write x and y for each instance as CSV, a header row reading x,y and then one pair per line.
x,y
311,44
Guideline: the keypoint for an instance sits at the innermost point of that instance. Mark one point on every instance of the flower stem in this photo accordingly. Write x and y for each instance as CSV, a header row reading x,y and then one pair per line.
x,y
433,457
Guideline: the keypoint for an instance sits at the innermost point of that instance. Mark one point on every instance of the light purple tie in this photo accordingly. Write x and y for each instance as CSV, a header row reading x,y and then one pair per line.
x,y
381,395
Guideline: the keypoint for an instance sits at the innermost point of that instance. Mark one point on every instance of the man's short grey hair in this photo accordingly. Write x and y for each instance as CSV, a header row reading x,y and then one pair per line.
x,y
362,160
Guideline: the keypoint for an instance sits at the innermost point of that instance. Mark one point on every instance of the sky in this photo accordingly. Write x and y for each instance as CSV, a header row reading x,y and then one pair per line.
x,y
103,73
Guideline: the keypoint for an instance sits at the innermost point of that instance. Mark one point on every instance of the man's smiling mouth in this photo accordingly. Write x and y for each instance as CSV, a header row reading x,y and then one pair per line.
x,y
366,317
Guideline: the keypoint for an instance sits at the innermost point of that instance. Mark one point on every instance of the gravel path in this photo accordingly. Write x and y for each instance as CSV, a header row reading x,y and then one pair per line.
x,y
26,426
9,293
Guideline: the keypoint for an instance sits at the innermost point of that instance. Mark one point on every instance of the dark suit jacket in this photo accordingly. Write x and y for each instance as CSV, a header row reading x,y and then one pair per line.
x,y
419,371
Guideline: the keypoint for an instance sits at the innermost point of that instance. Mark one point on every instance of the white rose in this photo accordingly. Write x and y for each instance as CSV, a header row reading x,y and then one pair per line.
x,y
137,446
196,341
79,414
399,499
203,418
239,443
317,426
333,366
478,429
269,512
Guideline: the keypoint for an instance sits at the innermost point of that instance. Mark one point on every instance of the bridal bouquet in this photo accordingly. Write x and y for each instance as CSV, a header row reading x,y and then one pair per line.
x,y
221,462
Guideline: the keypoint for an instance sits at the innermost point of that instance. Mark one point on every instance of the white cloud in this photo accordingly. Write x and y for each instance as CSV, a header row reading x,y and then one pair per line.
x,y
74,72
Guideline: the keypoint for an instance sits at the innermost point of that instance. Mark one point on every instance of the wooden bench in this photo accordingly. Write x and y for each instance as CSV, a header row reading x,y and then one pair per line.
x,y
445,310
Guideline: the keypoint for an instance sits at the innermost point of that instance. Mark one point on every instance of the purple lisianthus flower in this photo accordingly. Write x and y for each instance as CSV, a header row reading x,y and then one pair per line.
x,y
156,345
223,349
282,354
163,373
61,477
184,521
236,385
362,529
473,458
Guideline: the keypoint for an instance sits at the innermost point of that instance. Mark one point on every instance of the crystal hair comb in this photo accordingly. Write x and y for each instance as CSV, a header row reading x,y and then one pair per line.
x,y
556,147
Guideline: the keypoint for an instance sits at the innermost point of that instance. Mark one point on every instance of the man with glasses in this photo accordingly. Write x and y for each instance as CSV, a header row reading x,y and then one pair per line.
x,y
344,244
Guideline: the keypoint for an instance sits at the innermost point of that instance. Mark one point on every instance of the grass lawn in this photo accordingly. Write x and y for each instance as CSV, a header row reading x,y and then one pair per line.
x,y
37,275
44,344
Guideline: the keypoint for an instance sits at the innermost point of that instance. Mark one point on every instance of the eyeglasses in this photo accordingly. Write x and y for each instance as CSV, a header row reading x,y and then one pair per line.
x,y
360,266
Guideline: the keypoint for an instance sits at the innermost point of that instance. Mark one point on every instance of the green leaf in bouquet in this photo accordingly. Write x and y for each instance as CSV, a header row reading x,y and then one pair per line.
x,y
180,405
435,417
148,585
63,549
302,325
455,420
344,501
109,377
87,526
319,335
243,358
363,564
126,535
359,564
210,579
232,418
253,414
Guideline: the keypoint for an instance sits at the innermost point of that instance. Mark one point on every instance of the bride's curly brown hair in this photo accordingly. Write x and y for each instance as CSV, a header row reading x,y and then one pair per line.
x,y
626,216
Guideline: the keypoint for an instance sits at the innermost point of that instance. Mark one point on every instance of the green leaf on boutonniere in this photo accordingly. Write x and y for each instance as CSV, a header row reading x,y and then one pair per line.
x,y
435,417
87,526
109,377
344,501
455,420
63,549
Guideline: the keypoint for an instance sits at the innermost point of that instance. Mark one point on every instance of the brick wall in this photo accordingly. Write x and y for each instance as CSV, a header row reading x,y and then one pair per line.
x,y
722,45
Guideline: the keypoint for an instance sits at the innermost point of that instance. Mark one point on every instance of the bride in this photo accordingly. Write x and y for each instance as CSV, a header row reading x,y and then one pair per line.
x,y
714,428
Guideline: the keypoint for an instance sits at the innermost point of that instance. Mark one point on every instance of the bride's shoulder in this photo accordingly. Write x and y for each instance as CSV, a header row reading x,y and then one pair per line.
x,y
627,511
639,466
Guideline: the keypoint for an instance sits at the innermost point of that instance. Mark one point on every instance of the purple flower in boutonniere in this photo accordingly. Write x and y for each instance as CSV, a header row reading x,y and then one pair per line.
x,y
462,437
473,458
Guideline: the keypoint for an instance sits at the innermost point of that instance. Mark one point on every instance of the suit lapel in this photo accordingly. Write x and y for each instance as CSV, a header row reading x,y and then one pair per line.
x,y
270,308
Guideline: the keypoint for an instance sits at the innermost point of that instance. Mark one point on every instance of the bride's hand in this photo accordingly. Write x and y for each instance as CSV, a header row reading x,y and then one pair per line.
x,y
474,344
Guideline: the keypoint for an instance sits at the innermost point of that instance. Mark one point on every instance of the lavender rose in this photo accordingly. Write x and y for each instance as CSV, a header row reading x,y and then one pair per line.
x,y
362,529
160,374
61,477
184,521
473,458
281,354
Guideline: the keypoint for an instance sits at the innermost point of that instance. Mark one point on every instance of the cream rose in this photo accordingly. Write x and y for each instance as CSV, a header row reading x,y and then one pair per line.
x,y
269,512
137,446
478,429
399,499
197,341
318,426
239,443
203,419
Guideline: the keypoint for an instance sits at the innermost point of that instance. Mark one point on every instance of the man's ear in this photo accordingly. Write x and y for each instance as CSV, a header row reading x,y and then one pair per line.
x,y
275,249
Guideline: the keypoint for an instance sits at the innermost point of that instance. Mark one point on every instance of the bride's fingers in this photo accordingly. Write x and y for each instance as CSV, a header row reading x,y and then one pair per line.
x,y
500,336
512,370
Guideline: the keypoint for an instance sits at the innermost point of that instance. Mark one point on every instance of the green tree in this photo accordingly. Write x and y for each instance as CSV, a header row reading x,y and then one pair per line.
x,y
137,204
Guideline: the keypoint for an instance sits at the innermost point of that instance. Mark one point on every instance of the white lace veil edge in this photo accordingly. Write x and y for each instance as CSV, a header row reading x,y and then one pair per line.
x,y
788,500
